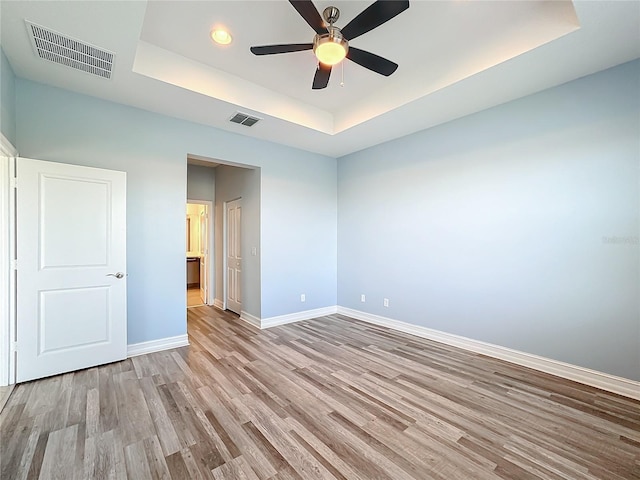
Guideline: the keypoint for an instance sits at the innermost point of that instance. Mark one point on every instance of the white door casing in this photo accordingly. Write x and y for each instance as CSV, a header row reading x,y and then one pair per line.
x,y
204,254
234,255
6,273
7,255
71,259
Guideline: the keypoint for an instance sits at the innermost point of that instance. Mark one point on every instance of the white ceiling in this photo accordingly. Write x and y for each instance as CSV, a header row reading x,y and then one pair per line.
x,y
456,57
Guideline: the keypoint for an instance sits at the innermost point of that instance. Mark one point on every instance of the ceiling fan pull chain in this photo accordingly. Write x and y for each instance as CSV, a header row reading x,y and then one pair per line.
x,y
342,82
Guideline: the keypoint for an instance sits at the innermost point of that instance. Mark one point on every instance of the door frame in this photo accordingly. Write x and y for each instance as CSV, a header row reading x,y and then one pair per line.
x,y
210,245
7,254
225,246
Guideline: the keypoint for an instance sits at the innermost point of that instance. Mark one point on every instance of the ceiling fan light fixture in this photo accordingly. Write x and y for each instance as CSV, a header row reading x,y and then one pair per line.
x,y
330,48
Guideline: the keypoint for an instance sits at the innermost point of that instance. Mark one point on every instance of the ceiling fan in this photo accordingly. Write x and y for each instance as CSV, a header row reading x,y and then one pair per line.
x,y
331,44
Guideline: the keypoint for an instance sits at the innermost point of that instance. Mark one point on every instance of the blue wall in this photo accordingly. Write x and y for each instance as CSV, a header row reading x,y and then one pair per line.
x,y
57,125
7,99
516,226
500,226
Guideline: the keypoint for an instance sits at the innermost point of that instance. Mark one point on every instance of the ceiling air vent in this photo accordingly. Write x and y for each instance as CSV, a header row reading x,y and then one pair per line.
x,y
244,119
68,51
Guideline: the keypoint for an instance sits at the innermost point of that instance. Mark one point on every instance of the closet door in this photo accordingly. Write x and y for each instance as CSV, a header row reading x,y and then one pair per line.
x,y
234,255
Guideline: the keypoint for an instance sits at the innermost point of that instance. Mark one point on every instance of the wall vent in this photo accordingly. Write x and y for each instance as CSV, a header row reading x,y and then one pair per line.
x,y
58,48
244,119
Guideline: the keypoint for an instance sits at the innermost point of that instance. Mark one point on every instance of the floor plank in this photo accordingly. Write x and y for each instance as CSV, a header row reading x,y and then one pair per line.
x,y
4,395
329,398
194,298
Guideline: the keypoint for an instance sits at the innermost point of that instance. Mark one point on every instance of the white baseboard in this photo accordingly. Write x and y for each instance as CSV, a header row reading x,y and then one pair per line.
x,y
250,319
218,304
151,346
297,316
603,381
269,322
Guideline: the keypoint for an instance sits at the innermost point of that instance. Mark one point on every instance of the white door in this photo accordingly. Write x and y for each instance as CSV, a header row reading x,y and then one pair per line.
x,y
204,254
234,256
71,277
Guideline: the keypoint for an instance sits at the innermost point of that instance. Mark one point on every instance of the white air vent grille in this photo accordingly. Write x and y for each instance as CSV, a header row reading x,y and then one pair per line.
x,y
244,119
67,51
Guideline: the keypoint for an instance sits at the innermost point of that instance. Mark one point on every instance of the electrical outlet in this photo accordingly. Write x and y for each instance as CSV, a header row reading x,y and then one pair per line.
x,y
362,298
303,297
385,302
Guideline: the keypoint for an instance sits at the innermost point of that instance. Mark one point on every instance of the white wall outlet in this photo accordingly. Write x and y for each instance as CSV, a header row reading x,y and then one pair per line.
x,y
303,297
363,298
385,302
254,251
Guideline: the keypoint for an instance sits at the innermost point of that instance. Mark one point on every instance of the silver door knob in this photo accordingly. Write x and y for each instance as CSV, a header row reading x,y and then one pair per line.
x,y
117,275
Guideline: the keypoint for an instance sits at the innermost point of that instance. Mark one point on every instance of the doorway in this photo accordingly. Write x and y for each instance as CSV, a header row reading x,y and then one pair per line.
x,y
224,184
198,256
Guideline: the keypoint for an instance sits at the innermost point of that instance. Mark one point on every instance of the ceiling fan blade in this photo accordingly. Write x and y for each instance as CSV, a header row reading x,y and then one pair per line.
x,y
309,12
321,78
373,16
372,61
286,48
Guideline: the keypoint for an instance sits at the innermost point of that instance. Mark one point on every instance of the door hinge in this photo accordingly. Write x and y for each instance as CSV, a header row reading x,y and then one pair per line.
x,y
14,264
13,182
14,347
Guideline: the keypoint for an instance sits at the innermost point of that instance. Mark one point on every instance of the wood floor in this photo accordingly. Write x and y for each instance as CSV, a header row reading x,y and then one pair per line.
x,y
193,297
4,395
321,399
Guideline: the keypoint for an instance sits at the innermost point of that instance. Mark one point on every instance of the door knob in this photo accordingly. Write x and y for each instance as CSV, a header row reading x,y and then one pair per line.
x,y
117,275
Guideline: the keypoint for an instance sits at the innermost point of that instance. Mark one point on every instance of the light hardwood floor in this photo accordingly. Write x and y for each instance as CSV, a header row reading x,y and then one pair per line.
x,y
321,399
4,395
193,297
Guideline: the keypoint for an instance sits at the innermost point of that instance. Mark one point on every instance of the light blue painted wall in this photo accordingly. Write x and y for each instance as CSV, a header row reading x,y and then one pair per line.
x,y
201,183
234,183
7,99
492,226
285,217
57,125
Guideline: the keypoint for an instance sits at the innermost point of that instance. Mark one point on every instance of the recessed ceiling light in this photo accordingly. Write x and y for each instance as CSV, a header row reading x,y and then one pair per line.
x,y
221,36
